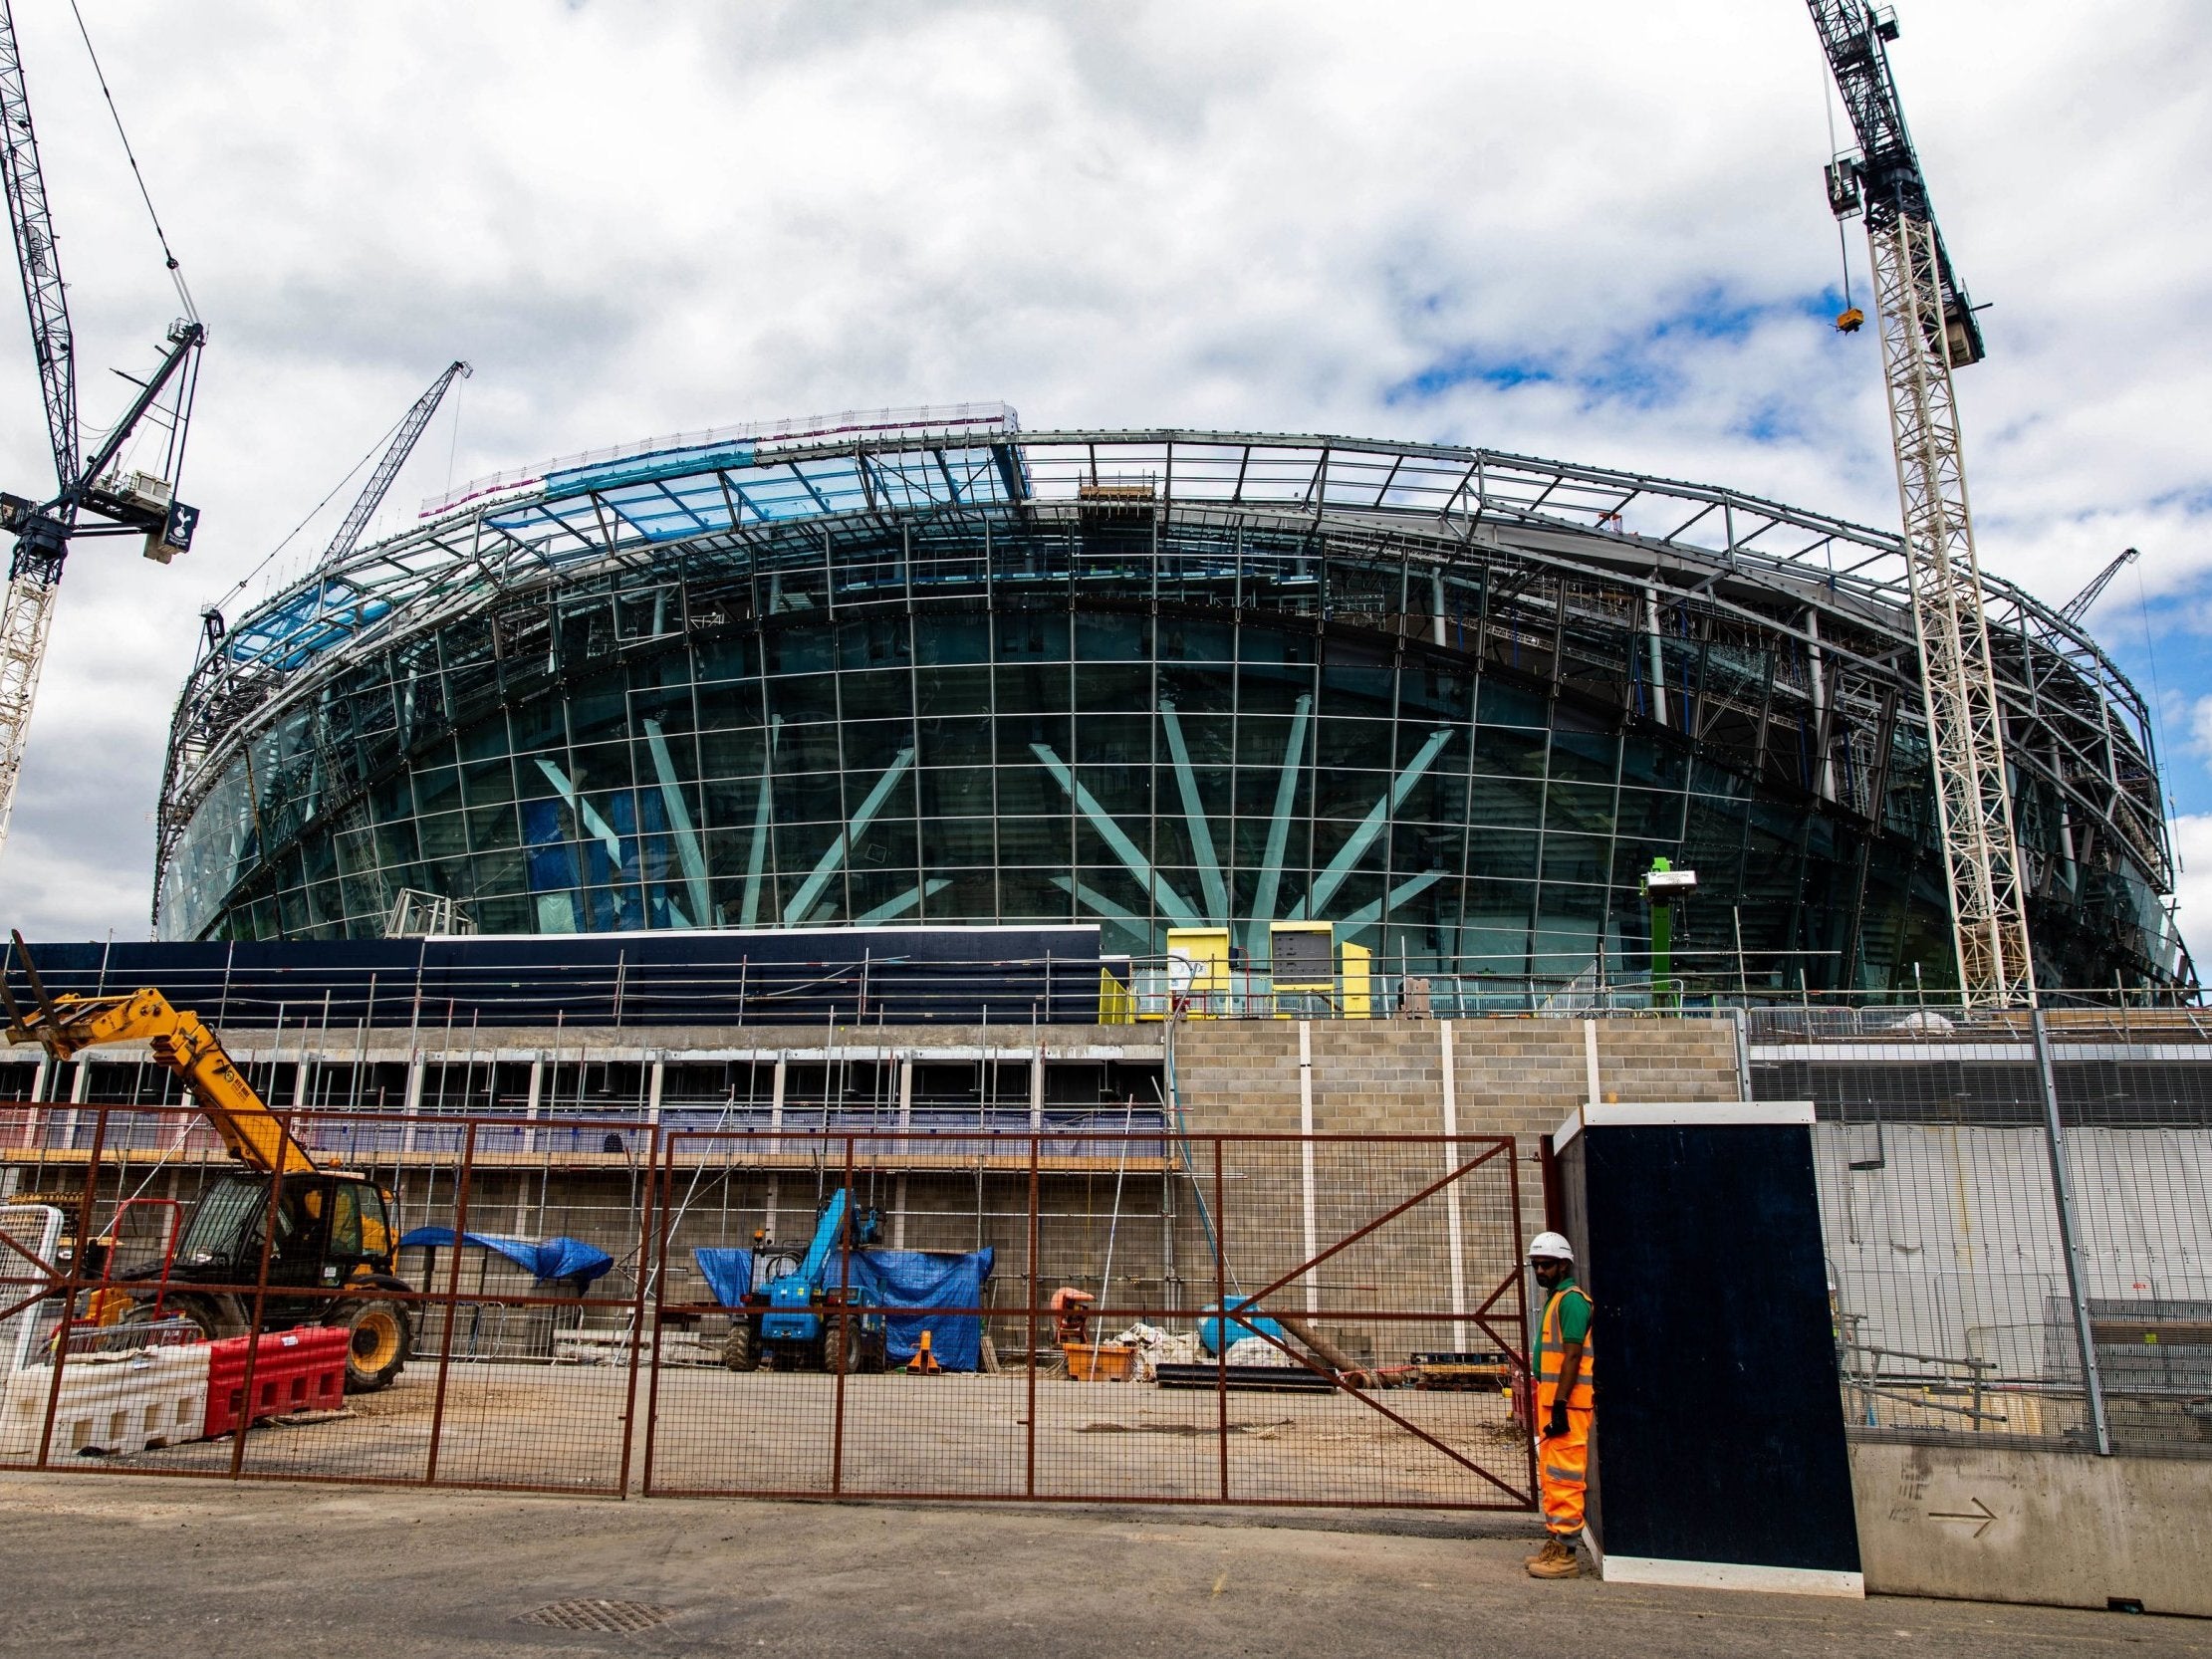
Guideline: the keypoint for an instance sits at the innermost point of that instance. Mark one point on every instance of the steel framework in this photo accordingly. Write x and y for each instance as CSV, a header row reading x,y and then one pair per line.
x,y
692,524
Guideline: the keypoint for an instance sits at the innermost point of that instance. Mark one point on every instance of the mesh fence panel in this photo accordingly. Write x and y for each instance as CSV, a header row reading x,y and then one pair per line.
x,y
1093,1376
1085,1355
495,1378
1955,1312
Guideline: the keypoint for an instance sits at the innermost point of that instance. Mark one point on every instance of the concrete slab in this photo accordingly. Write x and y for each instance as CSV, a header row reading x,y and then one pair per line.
x,y
2010,1523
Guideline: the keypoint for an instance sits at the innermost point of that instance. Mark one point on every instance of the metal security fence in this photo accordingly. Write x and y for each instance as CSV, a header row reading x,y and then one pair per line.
x,y
2019,1221
190,1315
1368,1358
1124,1313
349,1001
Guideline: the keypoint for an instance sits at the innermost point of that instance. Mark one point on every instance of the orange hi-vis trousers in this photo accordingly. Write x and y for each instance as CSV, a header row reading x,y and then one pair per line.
x,y
1561,1461
1563,1471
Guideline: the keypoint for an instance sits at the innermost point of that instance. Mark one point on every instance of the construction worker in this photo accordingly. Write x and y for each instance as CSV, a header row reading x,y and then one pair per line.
x,y
1563,1405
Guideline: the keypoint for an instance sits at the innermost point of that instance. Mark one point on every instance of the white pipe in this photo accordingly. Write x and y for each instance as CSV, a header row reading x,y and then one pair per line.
x,y
1306,1157
1455,1228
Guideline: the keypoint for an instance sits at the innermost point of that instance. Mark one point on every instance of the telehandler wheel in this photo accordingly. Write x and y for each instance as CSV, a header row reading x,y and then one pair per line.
x,y
838,1354
382,1341
740,1352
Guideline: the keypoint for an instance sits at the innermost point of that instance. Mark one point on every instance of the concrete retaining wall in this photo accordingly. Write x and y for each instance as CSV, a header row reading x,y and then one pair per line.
x,y
2061,1529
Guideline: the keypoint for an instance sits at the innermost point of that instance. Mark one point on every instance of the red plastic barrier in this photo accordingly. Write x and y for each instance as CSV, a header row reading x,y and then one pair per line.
x,y
295,1370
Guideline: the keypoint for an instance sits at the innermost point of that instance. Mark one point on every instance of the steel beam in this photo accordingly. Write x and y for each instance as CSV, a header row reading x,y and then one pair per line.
x,y
1177,907
1362,837
1256,944
1194,817
833,858
688,852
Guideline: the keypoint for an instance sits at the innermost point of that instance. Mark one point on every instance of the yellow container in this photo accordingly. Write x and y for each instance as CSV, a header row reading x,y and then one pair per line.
x,y
1098,1361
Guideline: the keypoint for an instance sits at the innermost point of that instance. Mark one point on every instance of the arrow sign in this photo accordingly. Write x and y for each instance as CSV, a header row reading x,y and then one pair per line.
x,y
1980,1513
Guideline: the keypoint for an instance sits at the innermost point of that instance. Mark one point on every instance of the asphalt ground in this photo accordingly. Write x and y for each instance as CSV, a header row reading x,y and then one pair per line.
x,y
99,1563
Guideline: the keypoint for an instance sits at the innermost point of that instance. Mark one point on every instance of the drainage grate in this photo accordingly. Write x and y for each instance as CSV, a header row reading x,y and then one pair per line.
x,y
616,1618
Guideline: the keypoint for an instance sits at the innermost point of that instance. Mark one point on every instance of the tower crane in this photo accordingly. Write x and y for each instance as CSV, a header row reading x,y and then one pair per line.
x,y
1928,330
188,744
135,503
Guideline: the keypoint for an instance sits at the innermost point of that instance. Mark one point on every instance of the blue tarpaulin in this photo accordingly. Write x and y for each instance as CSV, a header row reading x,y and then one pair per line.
x,y
545,1259
889,1279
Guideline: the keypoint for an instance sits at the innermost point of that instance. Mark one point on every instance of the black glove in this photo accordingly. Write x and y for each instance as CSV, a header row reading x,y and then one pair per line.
x,y
1556,1429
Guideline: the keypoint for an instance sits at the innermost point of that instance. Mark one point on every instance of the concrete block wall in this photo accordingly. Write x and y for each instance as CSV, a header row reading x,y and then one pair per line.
x,y
1511,1078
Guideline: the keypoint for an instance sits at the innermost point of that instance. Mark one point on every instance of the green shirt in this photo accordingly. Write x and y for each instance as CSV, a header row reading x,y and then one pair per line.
x,y
1574,1310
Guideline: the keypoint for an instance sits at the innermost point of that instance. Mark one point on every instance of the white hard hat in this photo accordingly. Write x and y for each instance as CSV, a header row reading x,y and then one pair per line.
x,y
1552,1245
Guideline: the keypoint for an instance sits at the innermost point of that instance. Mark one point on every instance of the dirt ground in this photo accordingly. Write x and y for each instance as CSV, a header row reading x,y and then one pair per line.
x,y
716,1431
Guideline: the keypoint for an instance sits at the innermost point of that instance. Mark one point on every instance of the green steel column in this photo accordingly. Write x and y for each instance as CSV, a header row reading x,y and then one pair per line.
x,y
1663,991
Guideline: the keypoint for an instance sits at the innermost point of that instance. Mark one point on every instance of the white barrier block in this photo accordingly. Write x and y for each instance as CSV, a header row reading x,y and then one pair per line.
x,y
35,1229
109,1404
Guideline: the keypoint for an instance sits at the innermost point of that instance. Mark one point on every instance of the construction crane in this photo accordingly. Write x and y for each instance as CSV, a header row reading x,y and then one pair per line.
x,y
282,1242
2078,607
1928,330
395,455
135,503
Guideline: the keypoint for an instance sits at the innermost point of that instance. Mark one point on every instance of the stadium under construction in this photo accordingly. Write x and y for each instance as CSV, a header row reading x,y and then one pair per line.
x,y
924,667
678,940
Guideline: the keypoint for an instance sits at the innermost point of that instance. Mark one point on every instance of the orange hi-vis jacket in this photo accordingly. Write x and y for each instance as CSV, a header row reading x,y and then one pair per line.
x,y
1551,1355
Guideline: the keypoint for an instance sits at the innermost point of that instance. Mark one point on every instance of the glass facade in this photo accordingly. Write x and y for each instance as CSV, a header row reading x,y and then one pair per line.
x,y
972,708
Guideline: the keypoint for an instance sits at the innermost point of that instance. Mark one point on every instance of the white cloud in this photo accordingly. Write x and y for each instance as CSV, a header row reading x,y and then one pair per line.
x,y
2192,846
638,219
2200,727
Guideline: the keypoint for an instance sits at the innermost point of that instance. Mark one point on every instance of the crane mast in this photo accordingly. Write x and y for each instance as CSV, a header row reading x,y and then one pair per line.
x,y
33,228
36,566
1929,329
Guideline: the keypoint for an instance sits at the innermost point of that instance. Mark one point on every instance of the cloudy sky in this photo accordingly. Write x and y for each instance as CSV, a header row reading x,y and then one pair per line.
x,y
1592,232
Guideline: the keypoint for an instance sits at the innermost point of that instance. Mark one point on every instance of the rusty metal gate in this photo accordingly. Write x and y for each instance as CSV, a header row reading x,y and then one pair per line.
x,y
572,1276
1376,1278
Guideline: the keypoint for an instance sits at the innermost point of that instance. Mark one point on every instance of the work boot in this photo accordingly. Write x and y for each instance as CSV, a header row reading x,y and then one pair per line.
x,y
1555,1561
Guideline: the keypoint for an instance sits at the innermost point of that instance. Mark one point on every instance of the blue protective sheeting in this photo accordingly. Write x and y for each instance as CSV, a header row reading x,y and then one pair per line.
x,y
915,1279
545,1259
